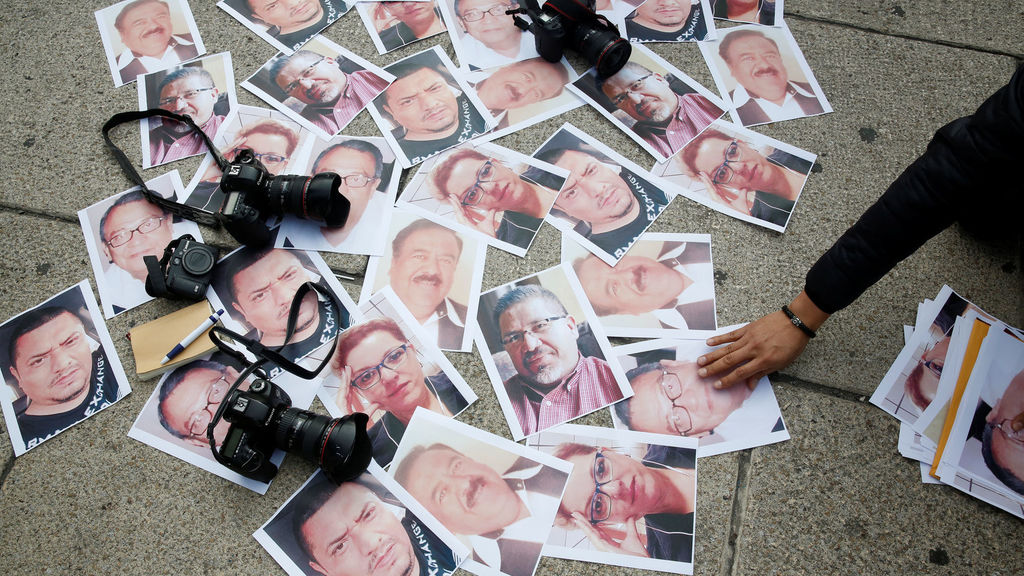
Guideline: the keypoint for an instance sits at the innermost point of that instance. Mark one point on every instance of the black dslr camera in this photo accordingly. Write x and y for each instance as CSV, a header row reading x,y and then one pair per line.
x,y
574,24
262,420
254,194
184,270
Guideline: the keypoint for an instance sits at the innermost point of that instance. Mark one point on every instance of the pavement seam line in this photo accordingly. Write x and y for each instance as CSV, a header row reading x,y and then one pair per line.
x,y
730,559
8,466
911,37
22,211
782,378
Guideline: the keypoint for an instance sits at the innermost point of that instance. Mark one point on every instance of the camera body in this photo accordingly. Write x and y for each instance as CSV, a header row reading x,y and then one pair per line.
x,y
576,25
185,270
263,420
253,194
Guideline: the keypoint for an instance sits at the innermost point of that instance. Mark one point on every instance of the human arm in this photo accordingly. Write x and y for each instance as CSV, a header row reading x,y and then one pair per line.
x,y
486,221
347,400
765,345
738,200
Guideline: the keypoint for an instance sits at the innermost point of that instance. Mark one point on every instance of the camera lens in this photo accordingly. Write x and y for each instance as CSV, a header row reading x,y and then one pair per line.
x,y
317,198
197,260
339,445
602,47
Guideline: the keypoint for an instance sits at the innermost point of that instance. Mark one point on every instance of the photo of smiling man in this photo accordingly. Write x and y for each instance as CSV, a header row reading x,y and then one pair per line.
x,y
497,496
427,109
285,24
765,75
143,36
60,365
435,271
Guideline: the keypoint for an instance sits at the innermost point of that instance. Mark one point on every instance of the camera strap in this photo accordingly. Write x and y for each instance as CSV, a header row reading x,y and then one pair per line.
x,y
265,354
178,209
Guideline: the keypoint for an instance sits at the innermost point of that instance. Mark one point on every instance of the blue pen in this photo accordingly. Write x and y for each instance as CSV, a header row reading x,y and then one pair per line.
x,y
213,319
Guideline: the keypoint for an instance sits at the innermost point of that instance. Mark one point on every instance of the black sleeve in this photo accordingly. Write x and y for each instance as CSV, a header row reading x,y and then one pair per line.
x,y
964,175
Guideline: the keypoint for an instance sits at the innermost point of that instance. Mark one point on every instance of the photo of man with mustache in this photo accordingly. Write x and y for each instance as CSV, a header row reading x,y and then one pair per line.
x,y
189,90
146,31
331,91
765,92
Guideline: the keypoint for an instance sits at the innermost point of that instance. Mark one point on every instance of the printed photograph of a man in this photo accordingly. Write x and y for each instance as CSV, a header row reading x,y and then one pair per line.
x,y
664,287
183,403
204,90
496,193
60,365
498,496
143,36
435,271
765,75
392,25
669,398
524,93
766,12
910,384
322,86
277,142
670,21
256,288
120,231
383,367
366,526
370,183
285,24
741,173
652,101
426,110
607,201
544,354
630,499
484,36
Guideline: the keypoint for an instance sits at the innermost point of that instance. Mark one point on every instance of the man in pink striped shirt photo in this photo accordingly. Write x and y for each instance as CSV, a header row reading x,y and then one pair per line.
x,y
331,89
554,381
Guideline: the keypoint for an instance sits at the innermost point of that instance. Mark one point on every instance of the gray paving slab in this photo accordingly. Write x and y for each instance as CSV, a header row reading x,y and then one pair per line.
x,y
839,499
994,25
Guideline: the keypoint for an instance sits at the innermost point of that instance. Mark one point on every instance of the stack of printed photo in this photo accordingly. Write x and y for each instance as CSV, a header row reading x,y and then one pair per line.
x,y
958,390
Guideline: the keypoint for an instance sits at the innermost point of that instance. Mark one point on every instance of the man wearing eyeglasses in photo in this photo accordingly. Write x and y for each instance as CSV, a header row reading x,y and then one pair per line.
x,y
490,37
131,229
667,21
608,493
668,114
332,96
416,20
1001,431
488,196
554,382
189,398
503,511
147,32
742,177
63,380
670,398
272,142
379,370
188,90
360,165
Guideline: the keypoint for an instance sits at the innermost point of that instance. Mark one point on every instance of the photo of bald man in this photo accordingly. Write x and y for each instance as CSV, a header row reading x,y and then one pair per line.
x,y
60,365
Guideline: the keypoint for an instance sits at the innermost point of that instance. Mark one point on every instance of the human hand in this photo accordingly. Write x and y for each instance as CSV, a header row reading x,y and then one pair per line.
x,y
735,199
486,221
348,400
630,545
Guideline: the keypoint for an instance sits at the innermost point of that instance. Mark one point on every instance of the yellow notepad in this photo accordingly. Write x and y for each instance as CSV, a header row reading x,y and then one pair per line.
x,y
153,340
